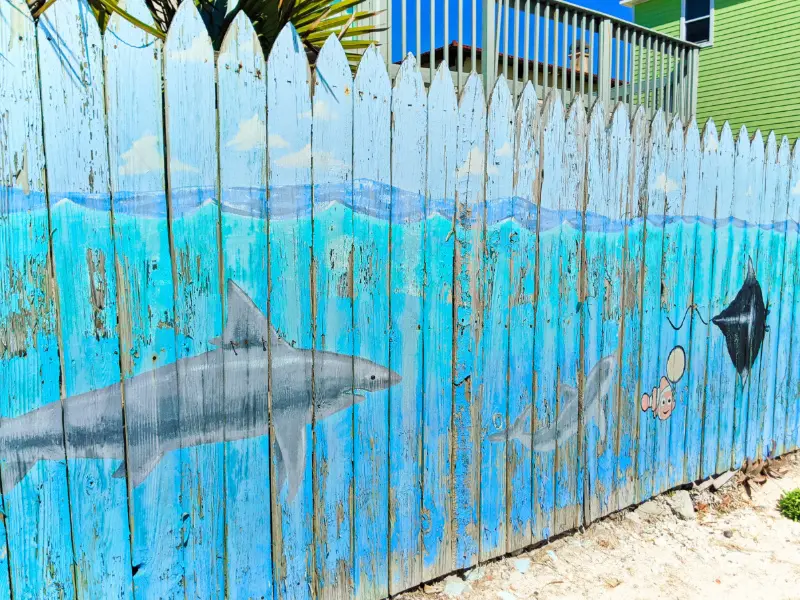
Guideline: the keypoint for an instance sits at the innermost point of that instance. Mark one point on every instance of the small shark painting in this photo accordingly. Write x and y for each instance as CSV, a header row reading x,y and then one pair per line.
x,y
598,384
159,419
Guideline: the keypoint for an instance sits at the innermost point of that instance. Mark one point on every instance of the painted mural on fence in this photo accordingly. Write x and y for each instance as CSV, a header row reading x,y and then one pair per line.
x,y
96,430
362,333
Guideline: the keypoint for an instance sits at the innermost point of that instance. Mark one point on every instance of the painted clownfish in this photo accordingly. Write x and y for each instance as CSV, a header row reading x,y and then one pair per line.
x,y
661,400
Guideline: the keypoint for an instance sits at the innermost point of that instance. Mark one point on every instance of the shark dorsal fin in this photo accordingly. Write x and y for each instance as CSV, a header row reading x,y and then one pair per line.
x,y
246,325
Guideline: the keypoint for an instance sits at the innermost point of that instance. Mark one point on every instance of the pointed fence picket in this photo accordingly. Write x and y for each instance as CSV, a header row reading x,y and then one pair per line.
x,y
83,263
371,195
725,232
547,343
36,536
145,295
358,335
332,290
241,93
497,281
289,276
522,238
470,157
437,337
406,278
654,201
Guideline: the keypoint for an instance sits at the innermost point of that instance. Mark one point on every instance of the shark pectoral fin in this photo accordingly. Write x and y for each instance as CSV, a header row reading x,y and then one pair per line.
x,y
137,467
14,471
290,431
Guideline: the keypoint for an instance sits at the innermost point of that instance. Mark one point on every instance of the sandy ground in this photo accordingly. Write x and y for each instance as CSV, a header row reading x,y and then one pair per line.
x,y
735,548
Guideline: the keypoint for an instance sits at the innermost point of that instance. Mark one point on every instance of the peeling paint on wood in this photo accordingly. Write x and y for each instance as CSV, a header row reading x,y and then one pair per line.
x,y
343,340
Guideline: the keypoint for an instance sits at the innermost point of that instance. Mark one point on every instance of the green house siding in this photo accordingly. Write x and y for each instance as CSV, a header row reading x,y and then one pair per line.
x,y
751,74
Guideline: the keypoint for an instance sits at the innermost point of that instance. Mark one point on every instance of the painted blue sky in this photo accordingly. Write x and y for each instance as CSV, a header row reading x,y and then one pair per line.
x,y
611,7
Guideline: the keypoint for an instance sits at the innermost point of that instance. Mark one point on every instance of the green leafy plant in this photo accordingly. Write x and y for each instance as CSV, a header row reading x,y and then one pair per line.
x,y
315,20
789,505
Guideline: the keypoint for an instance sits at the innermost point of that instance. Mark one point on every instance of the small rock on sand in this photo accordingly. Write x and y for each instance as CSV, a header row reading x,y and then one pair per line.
x,y
681,505
454,586
651,508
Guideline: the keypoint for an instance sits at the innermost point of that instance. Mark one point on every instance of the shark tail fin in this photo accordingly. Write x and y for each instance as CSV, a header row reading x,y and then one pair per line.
x,y
516,431
14,471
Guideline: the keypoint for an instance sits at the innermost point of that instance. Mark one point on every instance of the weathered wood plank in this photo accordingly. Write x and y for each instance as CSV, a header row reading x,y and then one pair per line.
x,y
437,328
467,313
496,294
547,343
784,299
521,314
409,134
289,227
769,273
598,206
192,166
145,294
614,289
607,200
757,170
371,205
682,299
242,93
35,534
71,63
793,411
745,212
650,392
697,426
720,405
675,286
627,442
332,274
571,293
766,273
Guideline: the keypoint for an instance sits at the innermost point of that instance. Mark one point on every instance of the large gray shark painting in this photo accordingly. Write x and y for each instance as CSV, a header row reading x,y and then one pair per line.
x,y
598,384
159,420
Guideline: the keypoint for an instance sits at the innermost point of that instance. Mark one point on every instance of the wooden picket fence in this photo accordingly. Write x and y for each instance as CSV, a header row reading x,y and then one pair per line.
x,y
268,332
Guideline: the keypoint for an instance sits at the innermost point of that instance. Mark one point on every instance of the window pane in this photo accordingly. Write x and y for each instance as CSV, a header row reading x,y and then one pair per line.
x,y
697,8
699,31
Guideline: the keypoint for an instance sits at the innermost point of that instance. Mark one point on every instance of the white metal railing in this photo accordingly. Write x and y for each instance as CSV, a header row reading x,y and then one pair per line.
x,y
554,44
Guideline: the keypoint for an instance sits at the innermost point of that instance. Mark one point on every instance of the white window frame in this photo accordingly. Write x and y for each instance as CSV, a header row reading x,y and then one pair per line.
x,y
710,41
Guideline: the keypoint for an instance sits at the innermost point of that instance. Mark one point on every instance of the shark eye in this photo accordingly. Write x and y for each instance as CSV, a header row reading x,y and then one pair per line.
x,y
372,377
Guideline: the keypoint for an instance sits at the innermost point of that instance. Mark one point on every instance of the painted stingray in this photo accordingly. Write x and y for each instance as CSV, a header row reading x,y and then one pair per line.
x,y
743,323
598,384
159,419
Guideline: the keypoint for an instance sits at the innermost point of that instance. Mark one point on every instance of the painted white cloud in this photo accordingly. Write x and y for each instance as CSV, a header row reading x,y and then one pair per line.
x,y
143,156
199,51
296,160
796,189
276,141
251,134
321,112
505,150
302,160
175,165
473,164
665,184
